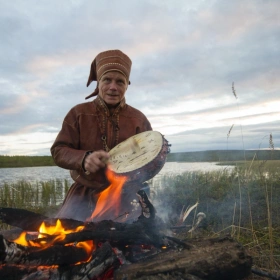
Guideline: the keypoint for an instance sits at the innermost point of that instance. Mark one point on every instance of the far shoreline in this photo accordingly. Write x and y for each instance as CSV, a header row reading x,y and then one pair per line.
x,y
223,157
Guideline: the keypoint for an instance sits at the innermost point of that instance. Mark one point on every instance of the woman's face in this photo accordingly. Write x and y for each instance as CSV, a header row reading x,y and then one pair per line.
x,y
112,87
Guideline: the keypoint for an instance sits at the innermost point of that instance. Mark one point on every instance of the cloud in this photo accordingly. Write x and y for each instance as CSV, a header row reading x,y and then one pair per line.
x,y
185,54
216,138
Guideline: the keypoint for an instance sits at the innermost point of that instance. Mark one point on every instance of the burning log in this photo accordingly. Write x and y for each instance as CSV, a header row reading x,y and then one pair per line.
x,y
104,261
13,253
141,232
118,234
207,259
143,244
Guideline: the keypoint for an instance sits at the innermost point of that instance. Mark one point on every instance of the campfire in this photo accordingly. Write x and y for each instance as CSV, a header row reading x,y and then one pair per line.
x,y
105,248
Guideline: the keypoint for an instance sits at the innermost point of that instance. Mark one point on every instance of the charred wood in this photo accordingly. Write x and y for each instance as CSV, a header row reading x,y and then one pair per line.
x,y
13,253
119,235
202,259
208,259
115,237
103,260
30,221
21,218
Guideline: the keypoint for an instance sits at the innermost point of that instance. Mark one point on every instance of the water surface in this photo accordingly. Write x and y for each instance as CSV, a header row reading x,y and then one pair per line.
x,y
46,173
33,174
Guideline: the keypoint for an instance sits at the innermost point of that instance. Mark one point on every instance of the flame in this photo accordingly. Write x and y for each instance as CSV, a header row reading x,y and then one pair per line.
x,y
22,241
109,200
108,203
59,234
57,229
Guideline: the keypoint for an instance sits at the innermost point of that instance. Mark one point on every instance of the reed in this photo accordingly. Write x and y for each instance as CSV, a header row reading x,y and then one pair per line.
x,y
253,187
38,196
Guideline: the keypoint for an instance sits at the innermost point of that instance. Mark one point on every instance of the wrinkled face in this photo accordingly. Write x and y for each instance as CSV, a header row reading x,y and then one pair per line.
x,y
112,87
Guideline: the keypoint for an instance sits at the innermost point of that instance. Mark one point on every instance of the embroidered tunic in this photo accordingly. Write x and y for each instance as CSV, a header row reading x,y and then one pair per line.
x,y
82,130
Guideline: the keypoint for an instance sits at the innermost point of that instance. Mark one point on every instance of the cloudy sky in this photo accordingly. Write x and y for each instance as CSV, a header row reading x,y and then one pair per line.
x,y
186,54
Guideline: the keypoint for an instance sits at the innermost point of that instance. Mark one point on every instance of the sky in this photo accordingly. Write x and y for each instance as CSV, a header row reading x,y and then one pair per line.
x,y
205,73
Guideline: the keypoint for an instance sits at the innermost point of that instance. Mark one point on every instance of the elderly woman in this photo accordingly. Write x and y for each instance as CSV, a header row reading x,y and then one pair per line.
x,y
91,129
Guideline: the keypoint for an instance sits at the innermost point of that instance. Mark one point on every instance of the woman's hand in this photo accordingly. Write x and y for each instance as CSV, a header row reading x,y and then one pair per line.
x,y
95,161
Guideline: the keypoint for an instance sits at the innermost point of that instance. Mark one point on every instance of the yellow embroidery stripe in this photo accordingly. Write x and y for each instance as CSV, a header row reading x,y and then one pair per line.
x,y
112,64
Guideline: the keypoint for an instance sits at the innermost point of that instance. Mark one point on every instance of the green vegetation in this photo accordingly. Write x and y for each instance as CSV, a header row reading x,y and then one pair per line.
x,y
225,155
243,203
25,161
41,197
229,156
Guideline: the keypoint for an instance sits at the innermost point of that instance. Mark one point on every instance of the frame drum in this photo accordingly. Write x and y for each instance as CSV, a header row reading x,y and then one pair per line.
x,y
140,157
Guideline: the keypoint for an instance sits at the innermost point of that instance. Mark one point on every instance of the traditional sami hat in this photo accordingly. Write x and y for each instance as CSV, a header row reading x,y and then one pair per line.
x,y
112,60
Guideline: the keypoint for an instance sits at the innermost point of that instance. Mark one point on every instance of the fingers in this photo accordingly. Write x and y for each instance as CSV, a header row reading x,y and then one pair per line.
x,y
96,161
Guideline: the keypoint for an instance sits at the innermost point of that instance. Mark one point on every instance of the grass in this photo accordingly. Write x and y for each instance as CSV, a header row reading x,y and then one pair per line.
x,y
243,204
41,197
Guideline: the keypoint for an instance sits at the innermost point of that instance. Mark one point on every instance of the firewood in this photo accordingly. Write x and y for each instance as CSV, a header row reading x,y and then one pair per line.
x,y
207,259
221,258
119,235
21,218
30,221
119,243
103,259
13,253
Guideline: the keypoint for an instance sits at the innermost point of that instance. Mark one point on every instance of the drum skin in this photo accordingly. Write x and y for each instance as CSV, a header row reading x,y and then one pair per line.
x,y
140,157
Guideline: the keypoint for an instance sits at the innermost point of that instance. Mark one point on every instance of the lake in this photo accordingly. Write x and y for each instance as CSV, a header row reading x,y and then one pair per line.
x,y
33,174
46,173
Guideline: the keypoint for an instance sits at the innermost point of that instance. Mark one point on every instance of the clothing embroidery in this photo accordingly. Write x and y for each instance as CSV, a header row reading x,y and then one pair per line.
x,y
103,117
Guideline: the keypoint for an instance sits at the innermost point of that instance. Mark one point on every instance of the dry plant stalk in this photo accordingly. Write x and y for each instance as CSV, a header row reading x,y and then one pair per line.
x,y
230,131
188,211
233,90
271,144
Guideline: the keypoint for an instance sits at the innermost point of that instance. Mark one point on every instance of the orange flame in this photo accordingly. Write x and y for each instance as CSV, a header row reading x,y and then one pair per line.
x,y
22,241
59,232
107,204
109,200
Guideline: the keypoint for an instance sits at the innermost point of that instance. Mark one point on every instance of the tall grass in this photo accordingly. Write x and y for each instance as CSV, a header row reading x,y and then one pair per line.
x,y
219,194
23,194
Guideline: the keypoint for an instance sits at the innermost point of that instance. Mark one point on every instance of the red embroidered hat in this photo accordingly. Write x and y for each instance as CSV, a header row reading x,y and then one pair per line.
x,y
112,60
